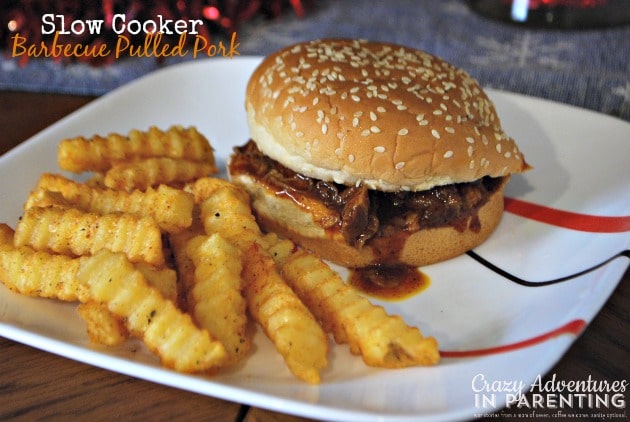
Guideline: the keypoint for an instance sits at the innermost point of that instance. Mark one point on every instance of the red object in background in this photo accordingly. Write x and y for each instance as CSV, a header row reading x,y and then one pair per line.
x,y
563,14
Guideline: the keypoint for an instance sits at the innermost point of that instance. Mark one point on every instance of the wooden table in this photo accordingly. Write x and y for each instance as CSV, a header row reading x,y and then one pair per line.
x,y
39,385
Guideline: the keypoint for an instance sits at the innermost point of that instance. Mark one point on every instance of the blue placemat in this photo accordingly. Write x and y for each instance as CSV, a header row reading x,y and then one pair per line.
x,y
589,68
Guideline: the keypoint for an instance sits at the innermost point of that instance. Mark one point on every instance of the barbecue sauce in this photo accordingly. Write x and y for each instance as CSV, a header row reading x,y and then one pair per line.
x,y
389,281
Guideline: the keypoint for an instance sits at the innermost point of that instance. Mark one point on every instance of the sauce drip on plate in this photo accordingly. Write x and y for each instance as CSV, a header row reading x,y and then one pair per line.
x,y
389,281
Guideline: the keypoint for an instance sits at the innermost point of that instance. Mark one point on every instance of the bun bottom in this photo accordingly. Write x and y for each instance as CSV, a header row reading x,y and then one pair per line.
x,y
287,219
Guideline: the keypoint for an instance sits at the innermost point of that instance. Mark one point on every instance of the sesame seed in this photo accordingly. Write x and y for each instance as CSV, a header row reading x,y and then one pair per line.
x,y
435,134
403,132
400,165
375,129
299,134
437,112
366,132
498,147
381,109
470,140
379,149
351,158
448,154
449,129
355,122
470,151
420,117
423,122
373,116
324,128
356,98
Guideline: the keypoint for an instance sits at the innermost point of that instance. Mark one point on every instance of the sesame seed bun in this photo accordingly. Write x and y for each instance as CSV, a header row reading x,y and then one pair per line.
x,y
373,153
386,116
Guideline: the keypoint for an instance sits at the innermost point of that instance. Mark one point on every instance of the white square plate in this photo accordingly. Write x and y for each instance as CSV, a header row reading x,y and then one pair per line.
x,y
491,325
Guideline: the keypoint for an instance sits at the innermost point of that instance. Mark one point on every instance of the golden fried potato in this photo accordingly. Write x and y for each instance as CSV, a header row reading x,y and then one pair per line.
x,y
225,209
6,235
105,328
72,232
217,302
170,334
285,320
382,340
102,326
171,208
162,278
279,248
144,173
35,273
178,243
44,198
98,153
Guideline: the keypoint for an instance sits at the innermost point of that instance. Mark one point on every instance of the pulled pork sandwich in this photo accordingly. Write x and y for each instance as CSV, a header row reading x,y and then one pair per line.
x,y
373,153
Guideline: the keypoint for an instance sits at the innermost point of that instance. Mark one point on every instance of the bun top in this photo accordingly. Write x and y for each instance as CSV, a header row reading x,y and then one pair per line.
x,y
390,117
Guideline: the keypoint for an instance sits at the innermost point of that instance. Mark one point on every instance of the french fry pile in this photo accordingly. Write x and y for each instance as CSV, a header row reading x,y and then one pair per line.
x,y
153,246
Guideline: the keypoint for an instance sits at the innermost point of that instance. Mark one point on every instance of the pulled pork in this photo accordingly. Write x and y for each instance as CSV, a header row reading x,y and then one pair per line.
x,y
365,214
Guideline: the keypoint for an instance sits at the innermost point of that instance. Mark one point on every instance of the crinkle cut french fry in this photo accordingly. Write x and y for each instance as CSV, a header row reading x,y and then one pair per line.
x,y
105,328
382,340
144,173
162,278
36,273
102,326
98,153
216,297
225,209
6,235
171,208
72,232
284,318
286,321
44,198
178,243
280,249
169,333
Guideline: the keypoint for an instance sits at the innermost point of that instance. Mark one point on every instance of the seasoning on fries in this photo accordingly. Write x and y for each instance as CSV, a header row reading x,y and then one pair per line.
x,y
153,246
